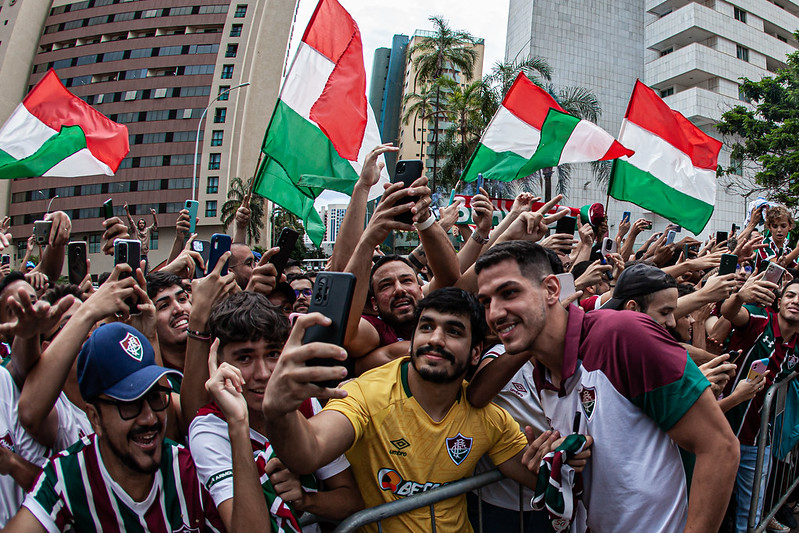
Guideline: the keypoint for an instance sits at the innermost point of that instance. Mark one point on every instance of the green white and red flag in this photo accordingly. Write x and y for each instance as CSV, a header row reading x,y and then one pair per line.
x,y
55,133
513,135
673,170
322,128
567,139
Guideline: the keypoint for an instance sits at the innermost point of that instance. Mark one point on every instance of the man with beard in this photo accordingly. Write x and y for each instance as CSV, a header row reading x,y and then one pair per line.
x,y
406,426
303,287
172,308
632,387
125,477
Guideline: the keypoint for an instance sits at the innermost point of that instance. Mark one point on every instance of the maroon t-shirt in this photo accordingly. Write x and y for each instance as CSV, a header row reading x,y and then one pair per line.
x,y
384,331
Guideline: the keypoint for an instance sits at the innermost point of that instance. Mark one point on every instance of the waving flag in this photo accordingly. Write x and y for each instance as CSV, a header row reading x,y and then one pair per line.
x,y
55,133
322,128
567,139
673,170
513,135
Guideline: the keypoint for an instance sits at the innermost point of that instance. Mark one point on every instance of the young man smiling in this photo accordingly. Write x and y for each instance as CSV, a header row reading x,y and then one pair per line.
x,y
406,426
172,308
630,386
125,477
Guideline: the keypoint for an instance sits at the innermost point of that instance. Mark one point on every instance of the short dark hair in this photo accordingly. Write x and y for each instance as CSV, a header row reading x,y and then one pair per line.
x,y
684,289
456,302
387,259
247,316
291,278
61,290
794,281
532,258
158,281
293,263
554,261
14,275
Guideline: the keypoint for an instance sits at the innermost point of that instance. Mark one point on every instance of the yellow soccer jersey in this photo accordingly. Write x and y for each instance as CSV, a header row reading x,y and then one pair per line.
x,y
399,450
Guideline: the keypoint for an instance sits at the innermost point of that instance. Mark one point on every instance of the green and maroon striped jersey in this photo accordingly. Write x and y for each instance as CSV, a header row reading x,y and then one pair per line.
x,y
76,491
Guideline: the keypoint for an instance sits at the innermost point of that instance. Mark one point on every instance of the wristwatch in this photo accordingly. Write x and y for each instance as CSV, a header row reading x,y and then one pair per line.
x,y
480,240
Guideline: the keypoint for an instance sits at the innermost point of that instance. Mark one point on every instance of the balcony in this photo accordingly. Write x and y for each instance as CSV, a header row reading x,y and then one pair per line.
x,y
700,106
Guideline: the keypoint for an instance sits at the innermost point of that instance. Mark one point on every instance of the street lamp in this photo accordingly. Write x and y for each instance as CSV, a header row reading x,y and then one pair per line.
x,y
197,140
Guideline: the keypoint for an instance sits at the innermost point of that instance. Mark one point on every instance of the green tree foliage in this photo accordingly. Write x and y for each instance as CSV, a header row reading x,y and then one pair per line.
x,y
236,193
285,219
765,135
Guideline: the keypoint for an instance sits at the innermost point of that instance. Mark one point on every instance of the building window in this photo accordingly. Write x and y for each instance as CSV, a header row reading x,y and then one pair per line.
x,y
219,115
737,166
232,50
216,137
222,89
667,92
154,240
667,51
742,53
740,14
210,208
235,30
213,161
213,185
94,243
227,72
241,11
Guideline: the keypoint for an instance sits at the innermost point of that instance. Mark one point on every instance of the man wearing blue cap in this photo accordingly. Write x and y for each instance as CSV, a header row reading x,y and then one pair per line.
x,y
125,477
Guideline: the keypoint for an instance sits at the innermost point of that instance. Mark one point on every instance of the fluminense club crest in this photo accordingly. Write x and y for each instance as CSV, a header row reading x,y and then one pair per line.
x,y
458,448
132,346
588,401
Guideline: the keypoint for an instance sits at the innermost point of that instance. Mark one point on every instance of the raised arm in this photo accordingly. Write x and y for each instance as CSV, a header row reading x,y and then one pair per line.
x,y
52,259
154,225
352,224
303,444
756,291
242,220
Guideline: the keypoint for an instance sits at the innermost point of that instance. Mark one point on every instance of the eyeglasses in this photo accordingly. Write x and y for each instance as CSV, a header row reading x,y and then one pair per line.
x,y
247,262
158,398
304,292
747,268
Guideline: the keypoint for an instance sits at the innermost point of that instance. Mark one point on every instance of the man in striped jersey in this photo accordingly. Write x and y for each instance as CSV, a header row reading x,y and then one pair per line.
x,y
125,477
760,333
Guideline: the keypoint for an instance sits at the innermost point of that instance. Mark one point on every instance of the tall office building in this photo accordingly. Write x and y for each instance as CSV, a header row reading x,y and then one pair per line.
x,y
693,53
334,216
154,65
418,135
386,92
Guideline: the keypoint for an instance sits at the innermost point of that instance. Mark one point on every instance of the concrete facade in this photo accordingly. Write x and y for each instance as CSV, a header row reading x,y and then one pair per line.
x,y
692,52
155,65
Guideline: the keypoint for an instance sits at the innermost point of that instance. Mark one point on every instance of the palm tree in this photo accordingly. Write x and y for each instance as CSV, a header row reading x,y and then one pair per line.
x,y
445,49
420,106
503,74
236,193
464,108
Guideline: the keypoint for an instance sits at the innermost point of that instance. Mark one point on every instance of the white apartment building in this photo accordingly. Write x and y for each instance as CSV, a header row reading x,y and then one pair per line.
x,y
693,52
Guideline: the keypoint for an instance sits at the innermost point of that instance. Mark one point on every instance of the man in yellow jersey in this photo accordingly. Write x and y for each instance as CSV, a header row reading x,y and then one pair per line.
x,y
406,426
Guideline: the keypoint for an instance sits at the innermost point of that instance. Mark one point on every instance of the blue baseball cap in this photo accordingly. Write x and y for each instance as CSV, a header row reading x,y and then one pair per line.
x,y
118,361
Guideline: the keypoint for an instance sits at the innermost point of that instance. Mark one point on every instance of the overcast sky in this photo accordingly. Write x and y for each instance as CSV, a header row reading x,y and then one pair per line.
x,y
378,24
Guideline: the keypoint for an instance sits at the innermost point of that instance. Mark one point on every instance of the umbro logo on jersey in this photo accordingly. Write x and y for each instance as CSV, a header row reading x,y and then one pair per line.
x,y
186,529
399,444
518,389
132,346
588,401
458,448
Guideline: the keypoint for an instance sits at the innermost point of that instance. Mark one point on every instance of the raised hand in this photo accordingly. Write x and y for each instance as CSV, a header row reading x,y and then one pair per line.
x,y
226,387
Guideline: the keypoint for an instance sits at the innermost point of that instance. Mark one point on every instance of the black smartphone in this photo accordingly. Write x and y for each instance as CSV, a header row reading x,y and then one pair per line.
x,y
566,225
721,236
286,241
41,231
220,243
204,249
728,264
108,209
76,262
128,251
5,259
332,296
408,171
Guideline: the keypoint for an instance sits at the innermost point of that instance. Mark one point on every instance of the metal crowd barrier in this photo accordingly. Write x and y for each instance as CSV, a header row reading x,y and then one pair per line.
x,y
783,477
424,499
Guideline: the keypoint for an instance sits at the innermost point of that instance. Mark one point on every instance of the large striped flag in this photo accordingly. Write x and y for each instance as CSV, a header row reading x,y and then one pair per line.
x,y
512,136
673,170
55,133
322,128
567,139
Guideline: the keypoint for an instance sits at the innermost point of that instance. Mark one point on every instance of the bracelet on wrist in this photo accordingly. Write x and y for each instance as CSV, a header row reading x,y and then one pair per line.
x,y
478,238
199,335
429,221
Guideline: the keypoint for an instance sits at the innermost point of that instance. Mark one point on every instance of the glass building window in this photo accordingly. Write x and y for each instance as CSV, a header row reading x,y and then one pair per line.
x,y
740,14
214,160
213,185
210,208
235,30
241,11
94,243
232,50
222,89
216,137
219,115
227,72
742,52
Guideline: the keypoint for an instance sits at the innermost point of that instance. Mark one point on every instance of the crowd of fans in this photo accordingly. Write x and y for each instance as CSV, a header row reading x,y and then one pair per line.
x,y
617,387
